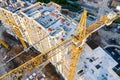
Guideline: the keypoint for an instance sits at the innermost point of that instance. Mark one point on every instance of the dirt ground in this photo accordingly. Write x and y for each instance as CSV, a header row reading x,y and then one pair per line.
x,y
105,36
15,48
51,73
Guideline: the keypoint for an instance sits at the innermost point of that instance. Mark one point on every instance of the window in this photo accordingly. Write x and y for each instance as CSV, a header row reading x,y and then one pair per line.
x,y
98,66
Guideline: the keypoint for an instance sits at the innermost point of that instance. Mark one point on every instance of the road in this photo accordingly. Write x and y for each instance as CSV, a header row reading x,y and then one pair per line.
x,y
103,8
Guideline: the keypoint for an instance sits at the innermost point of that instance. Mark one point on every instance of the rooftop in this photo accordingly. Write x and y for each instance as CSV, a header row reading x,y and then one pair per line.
x,y
51,19
98,63
13,7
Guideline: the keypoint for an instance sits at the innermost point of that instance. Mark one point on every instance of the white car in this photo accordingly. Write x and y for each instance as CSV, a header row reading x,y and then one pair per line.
x,y
118,8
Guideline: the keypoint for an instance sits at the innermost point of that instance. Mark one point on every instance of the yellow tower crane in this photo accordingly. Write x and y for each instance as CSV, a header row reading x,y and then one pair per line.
x,y
77,41
4,44
82,33
76,48
8,18
20,37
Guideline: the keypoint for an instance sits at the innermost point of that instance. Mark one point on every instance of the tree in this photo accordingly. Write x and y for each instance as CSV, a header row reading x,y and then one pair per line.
x,y
56,1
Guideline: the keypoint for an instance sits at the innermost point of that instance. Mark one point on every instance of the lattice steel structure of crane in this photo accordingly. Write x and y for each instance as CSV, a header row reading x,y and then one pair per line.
x,y
81,34
4,44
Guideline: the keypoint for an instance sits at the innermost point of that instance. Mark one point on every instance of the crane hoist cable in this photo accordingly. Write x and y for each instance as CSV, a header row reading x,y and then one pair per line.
x,y
35,62
25,50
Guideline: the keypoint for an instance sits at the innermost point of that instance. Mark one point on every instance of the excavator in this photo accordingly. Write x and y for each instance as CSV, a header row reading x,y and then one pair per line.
x,y
81,34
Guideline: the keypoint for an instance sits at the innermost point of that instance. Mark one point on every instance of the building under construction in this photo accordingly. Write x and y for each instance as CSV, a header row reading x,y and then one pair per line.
x,y
37,42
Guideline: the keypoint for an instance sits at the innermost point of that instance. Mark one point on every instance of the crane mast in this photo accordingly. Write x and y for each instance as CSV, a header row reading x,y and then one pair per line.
x,y
4,44
19,35
83,34
77,41
76,47
12,22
